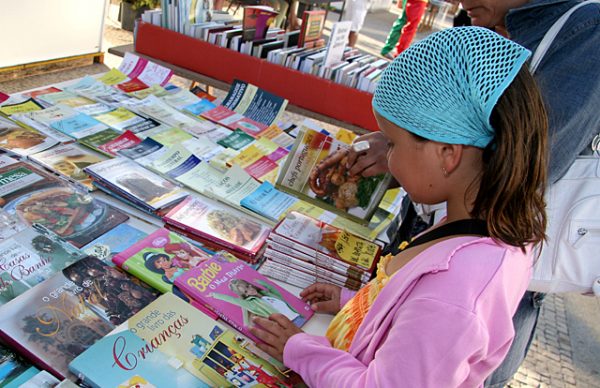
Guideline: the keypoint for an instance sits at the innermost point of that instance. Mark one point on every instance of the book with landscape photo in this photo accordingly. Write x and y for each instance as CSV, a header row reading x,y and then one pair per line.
x,y
114,241
160,258
57,320
136,183
316,171
170,343
238,293
67,210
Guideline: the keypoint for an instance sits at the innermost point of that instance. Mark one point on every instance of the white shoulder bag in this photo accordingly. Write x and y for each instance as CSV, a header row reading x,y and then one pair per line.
x,y
570,258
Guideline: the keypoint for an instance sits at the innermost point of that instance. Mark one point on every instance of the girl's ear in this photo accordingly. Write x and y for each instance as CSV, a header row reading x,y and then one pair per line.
x,y
450,156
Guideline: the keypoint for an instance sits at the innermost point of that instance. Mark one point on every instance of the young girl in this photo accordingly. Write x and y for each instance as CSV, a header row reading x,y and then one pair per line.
x,y
466,126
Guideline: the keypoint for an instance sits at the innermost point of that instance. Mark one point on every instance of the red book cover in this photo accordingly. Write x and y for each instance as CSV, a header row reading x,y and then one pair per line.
x,y
123,141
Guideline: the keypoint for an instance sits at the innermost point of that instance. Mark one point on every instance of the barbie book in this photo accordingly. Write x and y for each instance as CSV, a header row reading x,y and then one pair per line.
x,y
171,344
238,293
57,320
160,258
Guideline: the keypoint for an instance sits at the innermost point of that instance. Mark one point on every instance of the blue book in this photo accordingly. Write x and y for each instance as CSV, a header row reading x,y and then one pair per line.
x,y
114,241
199,107
122,359
78,126
269,202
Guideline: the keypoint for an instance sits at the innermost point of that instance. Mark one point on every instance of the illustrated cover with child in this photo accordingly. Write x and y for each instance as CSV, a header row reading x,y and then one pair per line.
x,y
160,258
316,170
238,293
60,318
169,343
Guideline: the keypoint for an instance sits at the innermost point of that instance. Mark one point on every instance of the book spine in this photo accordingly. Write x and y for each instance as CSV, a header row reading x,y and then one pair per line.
x,y
319,272
293,277
288,246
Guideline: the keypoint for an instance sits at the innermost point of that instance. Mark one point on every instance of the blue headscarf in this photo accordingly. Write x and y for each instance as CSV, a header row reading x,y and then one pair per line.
x,y
445,87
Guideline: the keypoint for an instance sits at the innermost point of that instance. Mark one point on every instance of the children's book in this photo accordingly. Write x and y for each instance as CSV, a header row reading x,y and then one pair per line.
x,y
31,256
57,320
316,171
160,258
169,343
69,160
220,224
135,183
113,242
69,211
21,140
238,293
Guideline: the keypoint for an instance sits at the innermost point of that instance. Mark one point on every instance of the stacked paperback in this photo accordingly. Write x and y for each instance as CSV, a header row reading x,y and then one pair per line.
x,y
301,250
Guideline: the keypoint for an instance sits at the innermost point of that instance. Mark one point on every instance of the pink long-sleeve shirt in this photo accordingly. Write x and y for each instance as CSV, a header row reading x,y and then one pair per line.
x,y
443,320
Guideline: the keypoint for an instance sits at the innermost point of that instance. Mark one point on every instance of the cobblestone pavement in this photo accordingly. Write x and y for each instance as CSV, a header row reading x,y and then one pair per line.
x,y
566,349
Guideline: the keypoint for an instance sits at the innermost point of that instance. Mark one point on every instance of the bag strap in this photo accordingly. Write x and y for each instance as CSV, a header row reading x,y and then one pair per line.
x,y
551,34
455,228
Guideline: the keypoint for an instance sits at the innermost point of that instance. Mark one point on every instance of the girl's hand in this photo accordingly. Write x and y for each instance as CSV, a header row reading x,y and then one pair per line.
x,y
323,298
372,161
274,332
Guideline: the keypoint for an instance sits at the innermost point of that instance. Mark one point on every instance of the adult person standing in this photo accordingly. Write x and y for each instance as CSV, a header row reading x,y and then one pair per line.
x,y
569,81
404,28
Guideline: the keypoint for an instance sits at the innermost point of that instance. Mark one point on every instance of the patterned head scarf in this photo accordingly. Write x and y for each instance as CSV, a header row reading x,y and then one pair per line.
x,y
445,87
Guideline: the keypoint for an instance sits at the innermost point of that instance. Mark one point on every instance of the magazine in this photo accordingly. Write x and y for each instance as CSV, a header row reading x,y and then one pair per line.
x,y
69,211
315,170
238,293
69,160
60,318
22,141
136,183
160,258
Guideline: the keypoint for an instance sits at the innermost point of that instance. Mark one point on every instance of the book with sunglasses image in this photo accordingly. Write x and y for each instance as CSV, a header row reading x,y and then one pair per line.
x,y
170,343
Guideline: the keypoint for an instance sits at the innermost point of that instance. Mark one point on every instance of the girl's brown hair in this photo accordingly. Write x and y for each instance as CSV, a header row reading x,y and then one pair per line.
x,y
513,181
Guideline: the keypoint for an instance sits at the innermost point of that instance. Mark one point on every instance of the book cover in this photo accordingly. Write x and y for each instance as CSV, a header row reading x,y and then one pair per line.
x,y
13,368
114,241
120,360
315,170
31,256
123,120
254,103
69,160
38,197
171,332
312,26
136,182
237,139
57,320
125,140
22,141
78,125
237,293
29,105
160,258
269,202
256,21
221,224
98,139
328,242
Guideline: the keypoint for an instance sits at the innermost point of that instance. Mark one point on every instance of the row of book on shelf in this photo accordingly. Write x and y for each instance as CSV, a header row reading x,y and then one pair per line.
x,y
241,195
303,50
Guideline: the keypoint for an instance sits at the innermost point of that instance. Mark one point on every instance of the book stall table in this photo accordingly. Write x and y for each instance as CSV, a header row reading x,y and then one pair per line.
x,y
200,61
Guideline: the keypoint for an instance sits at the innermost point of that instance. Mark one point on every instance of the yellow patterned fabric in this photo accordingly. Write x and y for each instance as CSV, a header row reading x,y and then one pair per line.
x,y
344,325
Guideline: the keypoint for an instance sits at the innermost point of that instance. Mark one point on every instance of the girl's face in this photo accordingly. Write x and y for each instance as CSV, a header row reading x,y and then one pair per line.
x,y
163,262
248,289
181,254
413,163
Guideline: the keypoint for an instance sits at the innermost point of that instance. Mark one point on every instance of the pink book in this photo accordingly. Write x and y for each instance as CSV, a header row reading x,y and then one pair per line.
x,y
237,293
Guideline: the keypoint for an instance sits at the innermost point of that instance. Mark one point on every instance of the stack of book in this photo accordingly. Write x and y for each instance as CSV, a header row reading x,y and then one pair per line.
x,y
219,226
301,250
